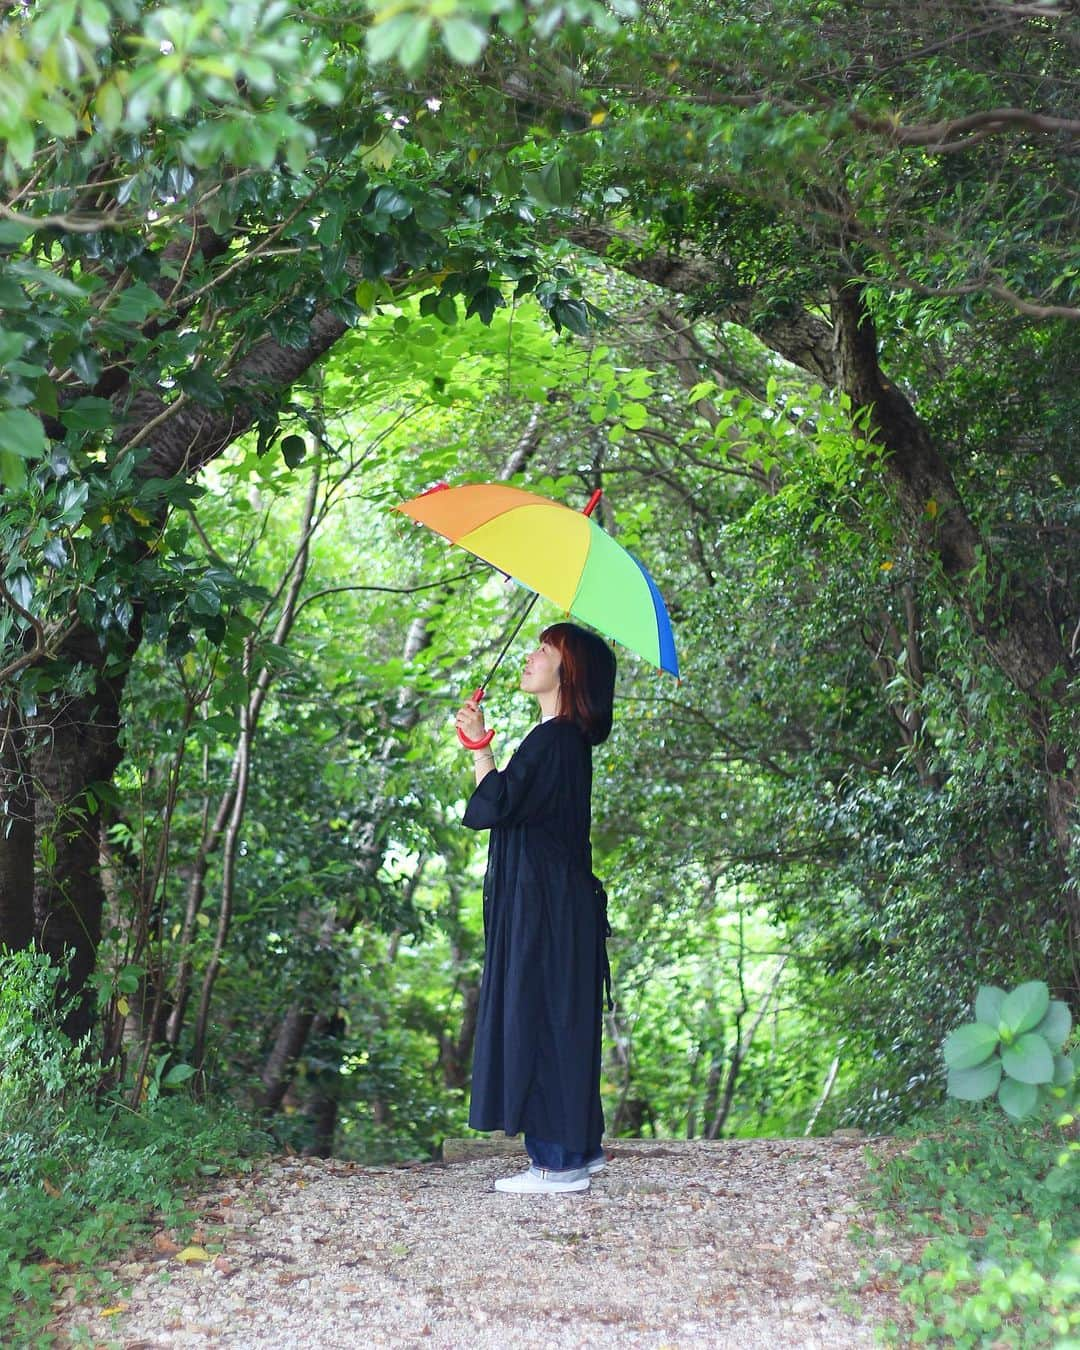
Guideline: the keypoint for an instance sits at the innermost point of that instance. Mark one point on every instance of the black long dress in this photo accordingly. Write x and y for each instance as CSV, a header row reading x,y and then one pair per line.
x,y
536,1065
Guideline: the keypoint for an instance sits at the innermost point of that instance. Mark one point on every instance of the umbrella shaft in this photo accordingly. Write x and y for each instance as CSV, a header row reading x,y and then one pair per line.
x,y
517,629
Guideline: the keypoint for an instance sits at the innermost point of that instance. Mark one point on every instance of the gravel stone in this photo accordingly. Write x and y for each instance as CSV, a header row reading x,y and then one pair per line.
x,y
676,1246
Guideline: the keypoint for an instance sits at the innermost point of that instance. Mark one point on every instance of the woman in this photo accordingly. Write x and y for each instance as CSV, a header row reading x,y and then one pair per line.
x,y
536,1065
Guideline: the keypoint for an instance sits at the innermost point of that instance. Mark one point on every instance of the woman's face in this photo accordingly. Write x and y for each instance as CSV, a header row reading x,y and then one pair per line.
x,y
541,673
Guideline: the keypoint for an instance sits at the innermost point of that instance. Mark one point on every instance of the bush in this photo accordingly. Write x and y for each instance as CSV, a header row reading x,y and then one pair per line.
x,y
83,1176
42,1069
995,1249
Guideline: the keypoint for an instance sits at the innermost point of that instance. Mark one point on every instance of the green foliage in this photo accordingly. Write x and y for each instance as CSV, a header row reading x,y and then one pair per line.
x,y
1014,1048
80,1173
42,1069
403,31
987,1250
845,781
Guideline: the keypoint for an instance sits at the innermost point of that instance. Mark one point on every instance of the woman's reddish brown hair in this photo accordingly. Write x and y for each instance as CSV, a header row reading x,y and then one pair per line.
x,y
586,679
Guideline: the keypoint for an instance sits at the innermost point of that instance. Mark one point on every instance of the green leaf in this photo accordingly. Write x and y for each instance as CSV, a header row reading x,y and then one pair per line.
x,y
1018,1100
72,502
179,1073
571,314
383,39
1064,1071
135,305
12,471
12,233
1024,1008
86,364
88,414
109,106
55,552
1061,1180
1056,1025
21,433
293,450
973,1085
412,51
988,1003
969,1045
45,396
1029,1059
464,40
390,202
560,181
202,387
484,303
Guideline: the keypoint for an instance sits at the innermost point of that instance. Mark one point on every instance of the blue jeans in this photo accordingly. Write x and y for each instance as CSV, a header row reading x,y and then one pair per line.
x,y
555,1158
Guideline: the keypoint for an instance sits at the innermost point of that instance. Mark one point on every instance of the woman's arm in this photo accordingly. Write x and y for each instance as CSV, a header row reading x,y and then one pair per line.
x,y
483,764
527,790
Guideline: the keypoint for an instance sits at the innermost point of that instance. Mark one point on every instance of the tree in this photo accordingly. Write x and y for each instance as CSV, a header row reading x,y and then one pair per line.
x,y
202,200
867,483
860,189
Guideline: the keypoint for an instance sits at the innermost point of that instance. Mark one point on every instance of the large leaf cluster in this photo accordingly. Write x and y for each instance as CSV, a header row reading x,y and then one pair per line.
x,y
1014,1048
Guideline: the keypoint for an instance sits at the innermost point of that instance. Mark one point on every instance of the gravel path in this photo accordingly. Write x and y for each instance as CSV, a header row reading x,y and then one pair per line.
x,y
676,1245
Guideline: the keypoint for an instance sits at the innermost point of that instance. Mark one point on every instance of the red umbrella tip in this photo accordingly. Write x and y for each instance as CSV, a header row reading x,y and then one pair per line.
x,y
435,487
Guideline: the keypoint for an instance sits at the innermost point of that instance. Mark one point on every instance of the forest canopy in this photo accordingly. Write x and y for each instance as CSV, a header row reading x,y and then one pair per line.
x,y
797,285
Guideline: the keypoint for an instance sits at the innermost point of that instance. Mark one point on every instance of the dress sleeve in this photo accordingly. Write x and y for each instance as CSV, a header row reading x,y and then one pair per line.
x,y
522,792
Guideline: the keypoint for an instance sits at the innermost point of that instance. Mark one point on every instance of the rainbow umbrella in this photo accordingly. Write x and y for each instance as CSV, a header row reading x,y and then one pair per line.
x,y
560,554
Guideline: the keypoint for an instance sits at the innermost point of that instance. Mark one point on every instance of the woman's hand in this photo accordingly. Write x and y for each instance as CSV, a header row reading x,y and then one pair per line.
x,y
470,720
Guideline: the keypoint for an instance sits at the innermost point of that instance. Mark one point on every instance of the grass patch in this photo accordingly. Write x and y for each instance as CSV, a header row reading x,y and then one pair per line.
x,y
82,1176
992,1251
72,1203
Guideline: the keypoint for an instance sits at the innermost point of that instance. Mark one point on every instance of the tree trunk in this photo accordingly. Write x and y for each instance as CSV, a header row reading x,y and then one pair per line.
x,y
75,744
278,1070
327,1035
16,833
455,1052
1009,615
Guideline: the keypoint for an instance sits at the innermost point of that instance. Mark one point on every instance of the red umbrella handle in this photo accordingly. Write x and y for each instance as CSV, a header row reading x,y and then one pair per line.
x,y
486,739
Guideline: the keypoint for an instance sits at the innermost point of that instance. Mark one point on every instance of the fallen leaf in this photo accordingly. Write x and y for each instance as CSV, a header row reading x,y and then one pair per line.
x,y
193,1254
223,1267
50,1189
116,1308
164,1244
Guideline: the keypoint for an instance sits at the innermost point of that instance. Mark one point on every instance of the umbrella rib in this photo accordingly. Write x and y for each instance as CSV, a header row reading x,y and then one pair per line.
x,y
506,646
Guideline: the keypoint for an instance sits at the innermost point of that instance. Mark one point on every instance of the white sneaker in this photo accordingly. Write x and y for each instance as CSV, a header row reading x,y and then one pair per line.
x,y
596,1164
539,1181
